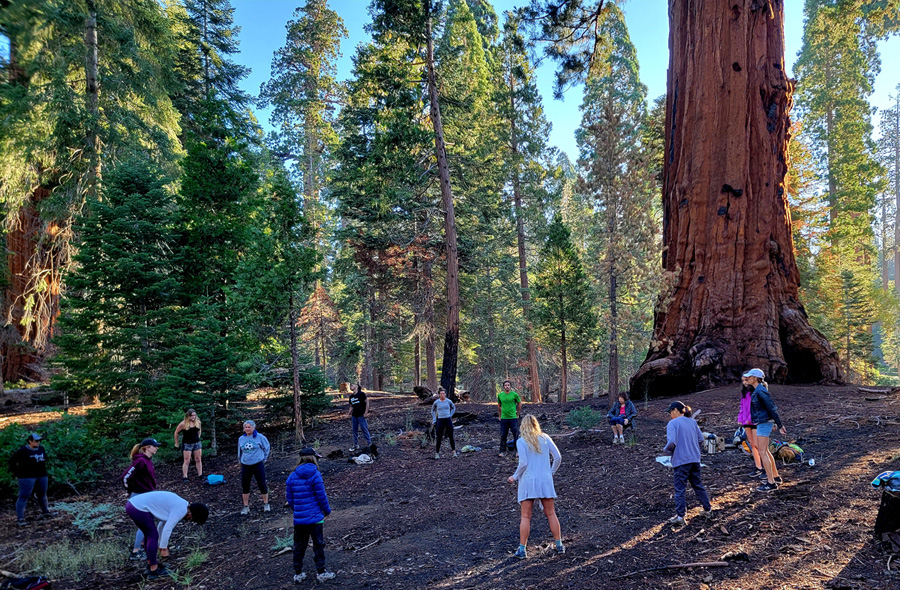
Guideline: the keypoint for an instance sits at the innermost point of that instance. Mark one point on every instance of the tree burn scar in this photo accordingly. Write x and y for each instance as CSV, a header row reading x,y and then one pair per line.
x,y
735,11
683,203
736,67
727,188
723,210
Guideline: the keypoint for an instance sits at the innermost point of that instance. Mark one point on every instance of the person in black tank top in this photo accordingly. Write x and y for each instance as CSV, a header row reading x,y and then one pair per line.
x,y
190,442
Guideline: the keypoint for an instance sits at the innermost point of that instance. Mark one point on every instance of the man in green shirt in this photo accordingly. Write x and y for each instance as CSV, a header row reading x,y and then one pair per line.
x,y
509,405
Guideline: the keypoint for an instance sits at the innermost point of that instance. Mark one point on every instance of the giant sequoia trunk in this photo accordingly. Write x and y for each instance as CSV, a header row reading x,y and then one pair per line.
x,y
731,300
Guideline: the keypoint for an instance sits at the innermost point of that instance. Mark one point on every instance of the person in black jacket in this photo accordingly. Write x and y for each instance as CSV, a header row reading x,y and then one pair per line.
x,y
140,478
29,466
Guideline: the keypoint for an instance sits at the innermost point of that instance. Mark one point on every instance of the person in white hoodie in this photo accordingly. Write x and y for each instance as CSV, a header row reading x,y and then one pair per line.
x,y
169,509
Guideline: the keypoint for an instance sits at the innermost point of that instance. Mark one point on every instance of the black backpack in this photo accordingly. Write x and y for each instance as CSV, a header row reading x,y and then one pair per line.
x,y
31,583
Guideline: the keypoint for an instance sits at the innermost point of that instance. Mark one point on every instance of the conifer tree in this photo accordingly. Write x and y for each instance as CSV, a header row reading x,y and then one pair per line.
x,y
562,298
121,321
617,178
889,155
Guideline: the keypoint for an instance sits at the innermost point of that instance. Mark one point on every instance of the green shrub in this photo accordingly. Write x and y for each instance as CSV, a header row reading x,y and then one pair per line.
x,y
584,418
74,455
313,398
89,517
283,542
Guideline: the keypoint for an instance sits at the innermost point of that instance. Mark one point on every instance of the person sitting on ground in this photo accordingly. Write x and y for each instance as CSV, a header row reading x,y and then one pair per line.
x,y
169,509
620,416
190,443
29,466
442,411
140,478
359,414
764,414
509,406
253,450
305,490
683,440
535,476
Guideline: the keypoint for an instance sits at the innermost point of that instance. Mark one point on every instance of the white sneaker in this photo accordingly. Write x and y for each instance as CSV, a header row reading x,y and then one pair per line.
x,y
615,440
437,455
622,439
299,577
245,510
267,508
325,576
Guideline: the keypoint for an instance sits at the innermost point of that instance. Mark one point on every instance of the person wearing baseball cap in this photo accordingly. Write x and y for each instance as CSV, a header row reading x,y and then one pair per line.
x,y
764,414
683,439
140,478
29,466
306,496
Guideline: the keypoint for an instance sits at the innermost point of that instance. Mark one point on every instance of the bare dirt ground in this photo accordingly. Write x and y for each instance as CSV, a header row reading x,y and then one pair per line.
x,y
410,521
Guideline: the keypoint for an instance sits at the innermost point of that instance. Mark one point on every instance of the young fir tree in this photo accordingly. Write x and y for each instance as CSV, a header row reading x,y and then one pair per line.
x,y
889,155
562,298
120,321
616,175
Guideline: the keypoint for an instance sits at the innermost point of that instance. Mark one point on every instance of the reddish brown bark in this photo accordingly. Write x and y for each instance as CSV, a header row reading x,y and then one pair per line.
x,y
451,337
732,296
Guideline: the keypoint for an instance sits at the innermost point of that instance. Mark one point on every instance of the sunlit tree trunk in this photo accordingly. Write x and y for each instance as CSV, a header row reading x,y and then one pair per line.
x,y
731,300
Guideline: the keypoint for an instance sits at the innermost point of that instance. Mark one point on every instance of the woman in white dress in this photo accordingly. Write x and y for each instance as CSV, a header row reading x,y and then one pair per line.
x,y
535,477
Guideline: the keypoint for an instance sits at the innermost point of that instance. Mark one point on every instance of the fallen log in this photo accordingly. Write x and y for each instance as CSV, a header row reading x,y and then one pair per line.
x,y
674,566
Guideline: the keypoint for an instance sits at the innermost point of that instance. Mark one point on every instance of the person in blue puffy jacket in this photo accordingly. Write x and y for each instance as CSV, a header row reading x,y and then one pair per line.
x,y
306,495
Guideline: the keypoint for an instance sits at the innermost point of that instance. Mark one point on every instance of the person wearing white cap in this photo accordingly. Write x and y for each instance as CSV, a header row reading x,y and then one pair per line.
x,y
764,414
29,466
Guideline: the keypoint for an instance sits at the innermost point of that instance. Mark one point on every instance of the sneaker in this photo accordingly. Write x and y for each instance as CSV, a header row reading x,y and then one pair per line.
x,y
437,455
502,455
266,507
767,487
184,479
245,510
520,553
138,555
456,453
708,514
778,479
22,522
159,572
560,549
49,514
299,577
676,521
354,449
324,576
756,474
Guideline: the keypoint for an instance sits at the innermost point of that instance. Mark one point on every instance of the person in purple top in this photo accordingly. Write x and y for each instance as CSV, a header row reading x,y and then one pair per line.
x,y
683,438
306,495
746,422
140,478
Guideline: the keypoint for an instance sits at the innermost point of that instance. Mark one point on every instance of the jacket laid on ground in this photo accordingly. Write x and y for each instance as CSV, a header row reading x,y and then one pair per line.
x,y
762,408
27,463
630,410
140,477
305,492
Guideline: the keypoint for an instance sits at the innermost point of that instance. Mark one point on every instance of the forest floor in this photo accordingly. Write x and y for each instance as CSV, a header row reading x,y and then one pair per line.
x,y
410,521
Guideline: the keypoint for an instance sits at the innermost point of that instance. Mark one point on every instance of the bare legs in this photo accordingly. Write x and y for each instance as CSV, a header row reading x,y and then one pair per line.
x,y
198,462
525,523
751,441
768,461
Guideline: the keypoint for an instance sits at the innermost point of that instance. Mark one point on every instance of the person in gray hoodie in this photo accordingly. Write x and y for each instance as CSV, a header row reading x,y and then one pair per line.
x,y
442,411
253,450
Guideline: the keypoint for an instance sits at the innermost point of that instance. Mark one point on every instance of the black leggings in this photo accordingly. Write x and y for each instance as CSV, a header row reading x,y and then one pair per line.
x,y
257,471
445,425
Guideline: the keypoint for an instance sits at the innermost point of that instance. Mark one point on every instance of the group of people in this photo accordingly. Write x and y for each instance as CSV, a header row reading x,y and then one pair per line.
x,y
538,461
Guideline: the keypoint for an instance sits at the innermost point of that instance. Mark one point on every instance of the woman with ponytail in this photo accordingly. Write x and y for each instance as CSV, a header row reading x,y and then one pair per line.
x,y
683,439
140,478
535,477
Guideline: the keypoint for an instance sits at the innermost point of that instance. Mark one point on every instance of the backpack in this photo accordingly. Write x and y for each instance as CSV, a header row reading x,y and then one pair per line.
x,y
787,452
31,583
215,480
739,436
